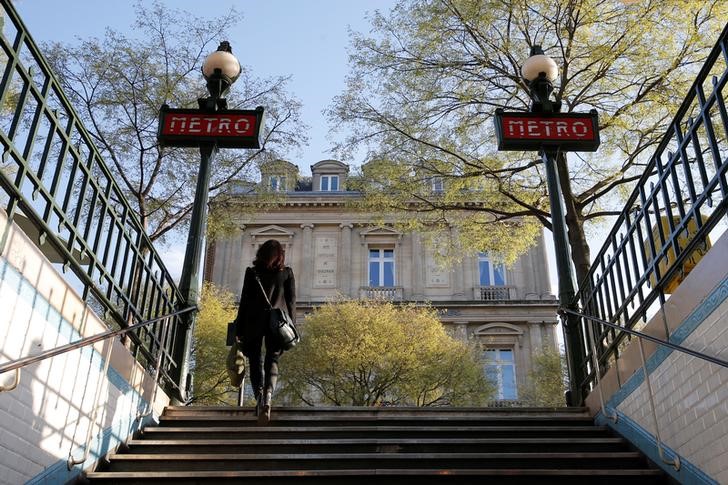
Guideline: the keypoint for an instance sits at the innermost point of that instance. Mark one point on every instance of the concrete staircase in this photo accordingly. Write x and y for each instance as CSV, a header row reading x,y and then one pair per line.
x,y
377,445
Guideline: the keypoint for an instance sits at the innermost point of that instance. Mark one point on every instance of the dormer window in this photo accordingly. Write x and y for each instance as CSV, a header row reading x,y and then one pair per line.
x,y
437,185
329,183
278,183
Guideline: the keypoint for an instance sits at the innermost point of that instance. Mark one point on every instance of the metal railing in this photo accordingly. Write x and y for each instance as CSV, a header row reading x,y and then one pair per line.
x,y
56,187
660,235
665,225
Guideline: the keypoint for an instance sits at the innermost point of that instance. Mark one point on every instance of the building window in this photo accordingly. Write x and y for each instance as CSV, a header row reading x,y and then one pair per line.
x,y
491,274
278,183
381,267
437,185
329,183
500,369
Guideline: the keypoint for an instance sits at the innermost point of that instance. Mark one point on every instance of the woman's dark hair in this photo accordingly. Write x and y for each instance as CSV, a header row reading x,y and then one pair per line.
x,y
270,256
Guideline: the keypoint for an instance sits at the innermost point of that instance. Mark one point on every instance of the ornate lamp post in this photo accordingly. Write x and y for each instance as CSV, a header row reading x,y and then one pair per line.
x,y
540,71
220,69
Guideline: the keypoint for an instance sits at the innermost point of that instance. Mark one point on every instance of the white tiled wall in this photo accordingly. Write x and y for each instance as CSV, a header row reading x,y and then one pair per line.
x,y
47,416
691,399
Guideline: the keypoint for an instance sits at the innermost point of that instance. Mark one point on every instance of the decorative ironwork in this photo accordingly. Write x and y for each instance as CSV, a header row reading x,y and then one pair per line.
x,y
58,189
664,228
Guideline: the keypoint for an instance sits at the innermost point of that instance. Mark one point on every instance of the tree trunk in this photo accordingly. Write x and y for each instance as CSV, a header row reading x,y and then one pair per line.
x,y
580,255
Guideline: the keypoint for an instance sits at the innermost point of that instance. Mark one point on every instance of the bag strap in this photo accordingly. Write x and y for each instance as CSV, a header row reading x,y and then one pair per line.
x,y
257,278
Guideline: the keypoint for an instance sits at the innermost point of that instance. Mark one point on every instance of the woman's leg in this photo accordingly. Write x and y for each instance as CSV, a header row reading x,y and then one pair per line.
x,y
271,376
256,364
271,364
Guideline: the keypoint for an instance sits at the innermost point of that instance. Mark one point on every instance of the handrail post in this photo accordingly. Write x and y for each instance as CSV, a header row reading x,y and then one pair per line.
x,y
676,461
160,354
92,422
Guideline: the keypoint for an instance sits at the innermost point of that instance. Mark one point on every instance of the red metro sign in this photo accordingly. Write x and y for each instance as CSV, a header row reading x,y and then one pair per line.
x,y
228,129
550,131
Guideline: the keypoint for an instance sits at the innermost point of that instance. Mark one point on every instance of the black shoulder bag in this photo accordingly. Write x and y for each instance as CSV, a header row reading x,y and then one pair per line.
x,y
281,325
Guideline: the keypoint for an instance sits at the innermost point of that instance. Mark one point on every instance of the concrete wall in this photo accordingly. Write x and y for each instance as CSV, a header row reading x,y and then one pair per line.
x,y
690,394
47,416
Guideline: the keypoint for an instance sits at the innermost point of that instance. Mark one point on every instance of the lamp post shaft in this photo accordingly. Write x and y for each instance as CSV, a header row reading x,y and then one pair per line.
x,y
570,324
190,279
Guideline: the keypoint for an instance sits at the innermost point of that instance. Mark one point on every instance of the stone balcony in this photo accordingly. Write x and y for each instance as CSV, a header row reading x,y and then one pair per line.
x,y
494,293
392,293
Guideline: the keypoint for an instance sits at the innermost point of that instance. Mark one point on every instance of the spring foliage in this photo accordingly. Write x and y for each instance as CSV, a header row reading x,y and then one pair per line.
x,y
118,84
424,85
211,384
545,383
364,353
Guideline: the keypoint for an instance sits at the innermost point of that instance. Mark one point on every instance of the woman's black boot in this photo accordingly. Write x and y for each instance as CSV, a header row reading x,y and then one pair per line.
x,y
267,395
258,402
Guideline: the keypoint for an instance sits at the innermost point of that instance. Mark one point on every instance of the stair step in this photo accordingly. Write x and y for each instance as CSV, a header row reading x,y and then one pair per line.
x,y
199,462
374,445
344,420
402,446
374,411
378,431
388,476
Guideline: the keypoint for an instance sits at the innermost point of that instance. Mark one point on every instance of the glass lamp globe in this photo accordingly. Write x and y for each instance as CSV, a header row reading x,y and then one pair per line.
x,y
537,64
224,60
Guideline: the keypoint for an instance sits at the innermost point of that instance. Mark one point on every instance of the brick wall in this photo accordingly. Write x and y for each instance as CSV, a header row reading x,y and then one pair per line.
x,y
48,415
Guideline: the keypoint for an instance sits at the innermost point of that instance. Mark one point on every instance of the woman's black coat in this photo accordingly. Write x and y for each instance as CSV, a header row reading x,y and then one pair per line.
x,y
252,319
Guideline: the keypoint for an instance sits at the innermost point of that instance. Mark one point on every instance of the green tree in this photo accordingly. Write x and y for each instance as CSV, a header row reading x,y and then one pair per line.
x,y
118,85
545,384
425,84
365,353
217,308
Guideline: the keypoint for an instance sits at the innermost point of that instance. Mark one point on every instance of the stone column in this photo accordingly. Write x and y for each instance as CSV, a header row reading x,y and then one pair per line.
x,y
238,265
468,277
418,267
458,282
399,266
306,278
461,331
345,276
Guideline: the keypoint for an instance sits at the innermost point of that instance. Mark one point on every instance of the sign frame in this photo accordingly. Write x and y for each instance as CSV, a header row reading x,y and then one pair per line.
x,y
224,141
507,143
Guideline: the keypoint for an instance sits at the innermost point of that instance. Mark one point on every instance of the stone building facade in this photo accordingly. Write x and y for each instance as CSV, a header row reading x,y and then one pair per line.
x,y
333,250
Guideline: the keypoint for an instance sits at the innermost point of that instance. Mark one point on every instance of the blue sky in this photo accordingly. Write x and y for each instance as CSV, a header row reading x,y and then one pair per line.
x,y
306,39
